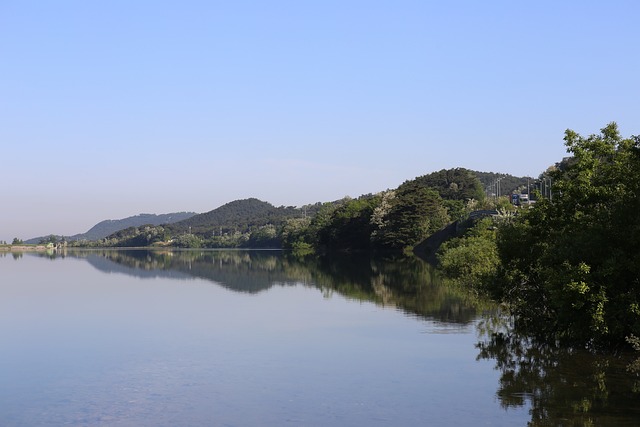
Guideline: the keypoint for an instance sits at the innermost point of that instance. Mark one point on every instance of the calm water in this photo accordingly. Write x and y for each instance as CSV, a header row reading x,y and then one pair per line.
x,y
139,338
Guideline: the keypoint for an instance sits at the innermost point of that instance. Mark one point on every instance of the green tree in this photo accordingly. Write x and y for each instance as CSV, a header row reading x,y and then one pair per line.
x,y
454,184
571,266
17,241
416,212
49,239
471,259
187,241
263,237
294,232
320,221
349,227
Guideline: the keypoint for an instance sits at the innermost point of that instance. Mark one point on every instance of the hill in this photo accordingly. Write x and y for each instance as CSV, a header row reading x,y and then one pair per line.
x,y
239,215
110,226
391,220
451,184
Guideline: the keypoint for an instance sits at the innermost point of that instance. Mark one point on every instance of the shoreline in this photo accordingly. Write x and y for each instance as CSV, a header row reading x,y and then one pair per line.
x,y
25,248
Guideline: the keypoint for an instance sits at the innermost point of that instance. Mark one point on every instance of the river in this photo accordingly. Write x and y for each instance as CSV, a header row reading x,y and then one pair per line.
x,y
263,338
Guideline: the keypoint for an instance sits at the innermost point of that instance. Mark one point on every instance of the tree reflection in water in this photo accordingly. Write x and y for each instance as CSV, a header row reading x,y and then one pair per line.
x,y
567,387
410,285
564,387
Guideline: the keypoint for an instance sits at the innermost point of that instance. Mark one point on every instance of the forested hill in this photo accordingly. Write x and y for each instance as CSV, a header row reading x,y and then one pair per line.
x,y
105,228
391,220
110,226
451,184
457,184
239,215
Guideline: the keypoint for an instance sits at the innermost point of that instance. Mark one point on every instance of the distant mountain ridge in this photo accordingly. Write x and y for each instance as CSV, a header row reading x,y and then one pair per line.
x,y
110,226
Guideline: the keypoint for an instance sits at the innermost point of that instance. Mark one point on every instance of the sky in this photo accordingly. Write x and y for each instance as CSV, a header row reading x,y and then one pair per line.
x,y
111,109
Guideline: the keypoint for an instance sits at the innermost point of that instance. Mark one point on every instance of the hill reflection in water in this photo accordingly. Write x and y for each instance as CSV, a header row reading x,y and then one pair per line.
x,y
561,386
556,386
410,285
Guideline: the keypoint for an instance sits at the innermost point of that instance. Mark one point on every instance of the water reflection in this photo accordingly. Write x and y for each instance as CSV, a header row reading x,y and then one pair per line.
x,y
557,386
410,285
568,387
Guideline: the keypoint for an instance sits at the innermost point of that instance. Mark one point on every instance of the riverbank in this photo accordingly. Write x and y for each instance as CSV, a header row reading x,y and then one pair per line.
x,y
25,248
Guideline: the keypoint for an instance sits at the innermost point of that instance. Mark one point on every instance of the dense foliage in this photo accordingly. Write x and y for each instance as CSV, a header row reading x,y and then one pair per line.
x,y
391,221
568,268
452,184
471,259
508,183
571,266
349,226
416,212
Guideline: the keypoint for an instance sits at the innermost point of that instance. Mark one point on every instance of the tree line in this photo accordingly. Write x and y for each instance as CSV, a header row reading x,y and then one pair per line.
x,y
392,221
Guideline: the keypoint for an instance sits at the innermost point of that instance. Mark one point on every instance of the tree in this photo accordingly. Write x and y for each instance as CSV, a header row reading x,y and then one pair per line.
x,y
263,237
454,184
416,212
187,241
17,241
49,239
319,222
349,226
571,265
294,232
471,259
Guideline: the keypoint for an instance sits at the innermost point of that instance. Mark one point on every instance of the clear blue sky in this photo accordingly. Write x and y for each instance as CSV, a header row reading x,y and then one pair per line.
x,y
110,109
